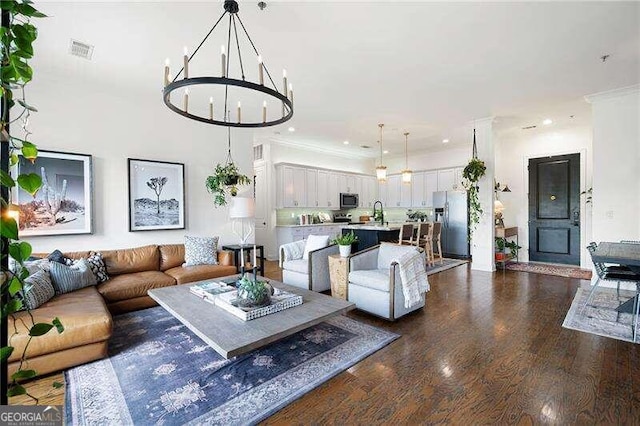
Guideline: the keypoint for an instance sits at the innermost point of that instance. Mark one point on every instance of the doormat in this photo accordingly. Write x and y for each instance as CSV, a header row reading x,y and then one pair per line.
x,y
446,264
159,372
603,315
560,271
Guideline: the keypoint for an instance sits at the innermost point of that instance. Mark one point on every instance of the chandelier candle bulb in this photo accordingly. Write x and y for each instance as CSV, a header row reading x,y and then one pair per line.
x,y
186,62
264,111
186,100
261,70
224,61
291,92
239,112
166,72
284,82
211,108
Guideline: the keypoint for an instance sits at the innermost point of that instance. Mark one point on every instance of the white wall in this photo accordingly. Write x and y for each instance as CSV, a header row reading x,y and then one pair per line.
x,y
442,159
616,160
85,116
513,151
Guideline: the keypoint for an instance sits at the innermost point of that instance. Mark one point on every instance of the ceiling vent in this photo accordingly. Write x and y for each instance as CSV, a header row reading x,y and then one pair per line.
x,y
529,127
80,49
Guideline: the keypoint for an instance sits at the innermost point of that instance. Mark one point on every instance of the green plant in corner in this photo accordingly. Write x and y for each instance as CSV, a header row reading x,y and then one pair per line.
x,y
225,181
513,248
472,174
17,36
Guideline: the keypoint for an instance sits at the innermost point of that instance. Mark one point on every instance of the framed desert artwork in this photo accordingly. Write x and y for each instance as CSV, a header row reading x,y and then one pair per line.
x,y
64,203
156,195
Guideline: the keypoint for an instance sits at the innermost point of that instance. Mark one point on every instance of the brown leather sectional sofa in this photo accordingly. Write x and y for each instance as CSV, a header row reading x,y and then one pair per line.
x,y
86,313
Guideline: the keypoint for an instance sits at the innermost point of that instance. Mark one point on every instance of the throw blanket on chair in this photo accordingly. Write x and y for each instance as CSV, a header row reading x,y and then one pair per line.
x,y
291,251
413,276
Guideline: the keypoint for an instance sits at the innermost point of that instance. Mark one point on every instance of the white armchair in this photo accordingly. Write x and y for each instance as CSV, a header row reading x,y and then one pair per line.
x,y
375,285
311,273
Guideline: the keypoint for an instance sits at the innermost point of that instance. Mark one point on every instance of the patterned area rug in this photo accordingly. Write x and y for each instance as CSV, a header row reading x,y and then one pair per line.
x,y
159,372
560,271
603,315
446,264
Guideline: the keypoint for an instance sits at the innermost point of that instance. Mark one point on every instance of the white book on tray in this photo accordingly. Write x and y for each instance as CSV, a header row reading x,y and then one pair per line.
x,y
280,301
210,290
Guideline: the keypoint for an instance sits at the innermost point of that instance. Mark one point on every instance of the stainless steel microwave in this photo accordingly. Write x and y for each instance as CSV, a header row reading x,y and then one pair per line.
x,y
348,201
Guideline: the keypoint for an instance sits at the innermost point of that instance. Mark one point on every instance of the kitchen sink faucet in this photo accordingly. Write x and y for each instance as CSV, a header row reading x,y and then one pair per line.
x,y
381,211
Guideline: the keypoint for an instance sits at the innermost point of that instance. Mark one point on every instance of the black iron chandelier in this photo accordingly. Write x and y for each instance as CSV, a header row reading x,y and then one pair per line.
x,y
284,97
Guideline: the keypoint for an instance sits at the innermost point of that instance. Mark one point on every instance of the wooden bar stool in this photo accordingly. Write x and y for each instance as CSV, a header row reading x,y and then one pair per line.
x,y
425,239
437,233
406,234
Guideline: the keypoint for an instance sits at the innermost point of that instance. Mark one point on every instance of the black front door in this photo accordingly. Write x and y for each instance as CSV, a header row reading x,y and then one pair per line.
x,y
554,209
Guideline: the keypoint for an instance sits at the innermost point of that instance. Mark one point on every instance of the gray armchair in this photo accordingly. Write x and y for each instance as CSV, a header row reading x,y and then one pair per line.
x,y
375,285
311,273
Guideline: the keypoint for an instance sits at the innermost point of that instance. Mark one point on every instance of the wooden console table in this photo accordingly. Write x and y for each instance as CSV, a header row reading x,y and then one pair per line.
x,y
505,233
339,276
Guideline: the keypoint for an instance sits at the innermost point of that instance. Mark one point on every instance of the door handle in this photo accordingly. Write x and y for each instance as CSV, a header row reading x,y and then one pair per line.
x,y
576,217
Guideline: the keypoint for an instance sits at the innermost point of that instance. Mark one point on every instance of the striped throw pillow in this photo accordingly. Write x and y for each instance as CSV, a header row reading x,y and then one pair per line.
x,y
37,290
66,279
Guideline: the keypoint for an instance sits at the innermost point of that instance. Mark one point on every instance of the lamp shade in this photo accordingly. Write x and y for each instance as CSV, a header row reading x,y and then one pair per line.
x,y
242,208
381,173
498,206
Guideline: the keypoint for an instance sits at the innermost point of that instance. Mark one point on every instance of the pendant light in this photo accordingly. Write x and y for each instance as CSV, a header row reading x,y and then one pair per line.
x,y
381,171
406,173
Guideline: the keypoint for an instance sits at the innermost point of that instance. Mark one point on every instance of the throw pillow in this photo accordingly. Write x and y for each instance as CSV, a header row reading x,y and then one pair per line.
x,y
37,290
315,242
200,251
37,265
66,279
57,256
99,269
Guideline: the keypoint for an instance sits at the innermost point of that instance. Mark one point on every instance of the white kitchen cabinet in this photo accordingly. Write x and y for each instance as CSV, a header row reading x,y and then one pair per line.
x,y
292,187
446,179
383,192
322,186
370,184
457,184
417,190
333,190
312,188
394,191
351,184
430,186
405,193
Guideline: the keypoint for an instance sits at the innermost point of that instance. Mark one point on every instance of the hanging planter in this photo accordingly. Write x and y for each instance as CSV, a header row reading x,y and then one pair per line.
x,y
472,173
225,180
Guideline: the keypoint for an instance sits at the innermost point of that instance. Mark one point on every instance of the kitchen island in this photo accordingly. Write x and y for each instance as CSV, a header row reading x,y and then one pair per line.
x,y
372,234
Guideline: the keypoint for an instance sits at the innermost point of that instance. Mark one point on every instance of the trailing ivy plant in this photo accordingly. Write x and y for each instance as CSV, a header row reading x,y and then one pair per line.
x,y
17,36
472,174
225,181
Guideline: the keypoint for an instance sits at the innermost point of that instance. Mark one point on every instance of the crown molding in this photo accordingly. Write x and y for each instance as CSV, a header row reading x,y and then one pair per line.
x,y
613,94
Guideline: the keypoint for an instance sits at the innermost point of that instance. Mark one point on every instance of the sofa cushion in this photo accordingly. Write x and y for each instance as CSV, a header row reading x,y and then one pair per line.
x,y
315,242
137,259
189,274
297,265
83,314
38,290
376,279
135,284
66,279
200,251
171,255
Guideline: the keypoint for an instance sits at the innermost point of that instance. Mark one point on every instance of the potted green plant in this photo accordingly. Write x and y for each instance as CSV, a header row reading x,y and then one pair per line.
x,y
500,246
513,248
344,243
472,174
253,293
225,181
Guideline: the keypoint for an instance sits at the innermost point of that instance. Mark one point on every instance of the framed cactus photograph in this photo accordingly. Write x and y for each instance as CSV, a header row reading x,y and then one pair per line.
x,y
63,204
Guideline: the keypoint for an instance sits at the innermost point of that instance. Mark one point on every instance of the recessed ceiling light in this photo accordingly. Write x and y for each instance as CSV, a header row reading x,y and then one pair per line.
x,y
547,121
445,140
292,129
385,152
346,142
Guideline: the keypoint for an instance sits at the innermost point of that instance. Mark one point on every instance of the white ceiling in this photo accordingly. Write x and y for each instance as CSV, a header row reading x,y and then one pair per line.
x,y
425,68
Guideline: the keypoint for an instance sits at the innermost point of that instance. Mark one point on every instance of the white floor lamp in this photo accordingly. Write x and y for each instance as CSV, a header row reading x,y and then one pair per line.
x,y
243,210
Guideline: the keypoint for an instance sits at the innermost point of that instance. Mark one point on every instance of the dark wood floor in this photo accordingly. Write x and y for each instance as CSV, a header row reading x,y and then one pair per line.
x,y
487,348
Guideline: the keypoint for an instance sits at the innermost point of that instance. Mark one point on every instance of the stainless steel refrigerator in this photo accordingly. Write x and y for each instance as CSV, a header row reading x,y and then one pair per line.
x,y
452,209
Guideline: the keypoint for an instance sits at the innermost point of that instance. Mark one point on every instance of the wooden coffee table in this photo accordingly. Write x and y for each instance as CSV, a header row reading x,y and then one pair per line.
x,y
231,336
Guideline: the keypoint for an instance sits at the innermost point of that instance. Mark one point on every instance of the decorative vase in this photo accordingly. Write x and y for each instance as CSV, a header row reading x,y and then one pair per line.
x,y
345,251
500,256
254,294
